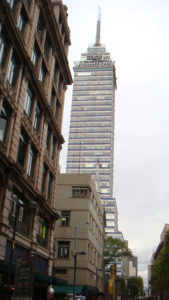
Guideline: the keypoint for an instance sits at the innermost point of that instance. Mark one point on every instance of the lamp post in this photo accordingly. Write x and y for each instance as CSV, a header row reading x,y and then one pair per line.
x,y
97,269
19,203
75,256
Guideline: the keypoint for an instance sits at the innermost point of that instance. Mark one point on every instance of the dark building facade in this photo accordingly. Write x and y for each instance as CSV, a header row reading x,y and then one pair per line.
x,y
34,73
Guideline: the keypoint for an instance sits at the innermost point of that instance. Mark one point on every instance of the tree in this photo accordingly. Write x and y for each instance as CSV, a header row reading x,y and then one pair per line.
x,y
115,248
160,270
121,287
135,287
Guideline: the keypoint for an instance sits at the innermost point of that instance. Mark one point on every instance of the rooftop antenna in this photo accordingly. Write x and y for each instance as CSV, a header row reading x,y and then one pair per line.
x,y
97,43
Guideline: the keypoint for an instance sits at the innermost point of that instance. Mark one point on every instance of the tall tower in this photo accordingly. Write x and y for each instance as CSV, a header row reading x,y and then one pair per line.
x,y
91,137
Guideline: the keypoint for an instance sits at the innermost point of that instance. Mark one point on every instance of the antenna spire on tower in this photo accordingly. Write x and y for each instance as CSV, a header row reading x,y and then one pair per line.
x,y
97,43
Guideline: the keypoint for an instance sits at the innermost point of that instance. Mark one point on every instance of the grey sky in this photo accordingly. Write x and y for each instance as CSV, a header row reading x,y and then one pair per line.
x,y
136,33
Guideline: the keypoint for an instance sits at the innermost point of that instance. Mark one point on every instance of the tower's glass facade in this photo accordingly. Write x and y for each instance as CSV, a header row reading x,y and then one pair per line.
x,y
91,137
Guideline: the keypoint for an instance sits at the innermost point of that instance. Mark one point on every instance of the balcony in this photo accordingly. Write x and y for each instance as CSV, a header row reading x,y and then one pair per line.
x,y
41,241
21,227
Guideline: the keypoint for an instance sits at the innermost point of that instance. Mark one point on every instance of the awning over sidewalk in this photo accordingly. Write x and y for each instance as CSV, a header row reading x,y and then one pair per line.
x,y
49,279
68,289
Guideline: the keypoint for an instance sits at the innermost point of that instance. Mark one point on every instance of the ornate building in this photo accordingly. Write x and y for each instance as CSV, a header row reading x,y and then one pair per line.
x,y
34,73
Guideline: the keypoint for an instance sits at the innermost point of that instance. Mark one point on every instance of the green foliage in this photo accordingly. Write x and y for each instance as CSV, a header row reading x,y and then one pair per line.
x,y
121,286
115,248
160,269
135,286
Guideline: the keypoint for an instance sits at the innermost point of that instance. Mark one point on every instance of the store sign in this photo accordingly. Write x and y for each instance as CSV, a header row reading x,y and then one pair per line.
x,y
24,278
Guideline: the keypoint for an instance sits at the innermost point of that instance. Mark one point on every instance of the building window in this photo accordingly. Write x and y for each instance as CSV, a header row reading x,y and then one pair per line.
x,y
42,231
56,70
4,46
52,99
13,69
35,55
57,109
60,271
45,170
63,249
41,264
22,21
37,117
48,138
42,73
50,180
22,147
40,27
18,251
47,47
53,148
60,84
24,220
65,218
80,192
28,2
4,120
28,102
32,161
12,3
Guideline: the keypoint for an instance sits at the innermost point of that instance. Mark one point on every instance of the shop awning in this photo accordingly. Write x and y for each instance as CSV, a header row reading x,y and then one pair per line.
x,y
68,289
49,279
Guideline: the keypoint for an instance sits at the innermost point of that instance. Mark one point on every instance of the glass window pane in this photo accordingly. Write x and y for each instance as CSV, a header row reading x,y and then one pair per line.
x,y
13,70
4,46
4,121
28,102
23,140
32,161
37,117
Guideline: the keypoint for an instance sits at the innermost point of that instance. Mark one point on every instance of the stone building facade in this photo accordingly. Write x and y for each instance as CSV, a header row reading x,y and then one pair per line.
x,y
34,73
81,229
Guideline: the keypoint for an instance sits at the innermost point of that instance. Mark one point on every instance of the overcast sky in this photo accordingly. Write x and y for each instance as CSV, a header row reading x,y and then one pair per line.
x,y
136,33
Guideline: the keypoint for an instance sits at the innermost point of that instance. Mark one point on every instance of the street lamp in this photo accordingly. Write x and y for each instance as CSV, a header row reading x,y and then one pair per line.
x,y
75,256
97,269
19,203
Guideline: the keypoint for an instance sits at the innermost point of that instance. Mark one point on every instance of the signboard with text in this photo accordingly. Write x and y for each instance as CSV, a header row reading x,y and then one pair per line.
x,y
24,278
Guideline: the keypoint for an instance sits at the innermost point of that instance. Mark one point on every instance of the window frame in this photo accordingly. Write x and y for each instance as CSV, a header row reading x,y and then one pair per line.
x,y
13,69
28,101
23,143
32,161
65,218
5,114
63,249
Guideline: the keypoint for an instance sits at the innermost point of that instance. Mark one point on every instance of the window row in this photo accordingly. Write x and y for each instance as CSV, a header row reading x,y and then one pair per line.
x,y
10,59
95,230
94,159
87,119
63,251
88,165
88,147
34,112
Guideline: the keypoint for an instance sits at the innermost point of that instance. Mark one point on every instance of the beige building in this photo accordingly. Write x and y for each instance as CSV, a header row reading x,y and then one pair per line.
x,y
34,73
80,228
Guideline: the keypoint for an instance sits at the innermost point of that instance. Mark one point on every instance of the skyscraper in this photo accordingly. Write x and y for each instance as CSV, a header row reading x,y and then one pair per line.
x,y
91,137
